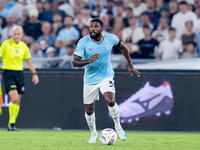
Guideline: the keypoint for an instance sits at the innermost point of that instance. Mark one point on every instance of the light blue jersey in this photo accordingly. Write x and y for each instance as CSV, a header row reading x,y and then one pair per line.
x,y
100,69
65,35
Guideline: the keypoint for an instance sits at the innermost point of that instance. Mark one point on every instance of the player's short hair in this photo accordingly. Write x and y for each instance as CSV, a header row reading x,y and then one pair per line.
x,y
97,20
86,7
183,3
69,17
171,29
189,21
129,8
109,12
198,7
193,43
16,27
165,18
146,26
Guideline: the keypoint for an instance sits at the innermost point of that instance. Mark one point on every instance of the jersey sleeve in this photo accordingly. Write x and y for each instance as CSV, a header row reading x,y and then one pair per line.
x,y
180,47
160,48
79,51
27,54
115,40
2,50
60,35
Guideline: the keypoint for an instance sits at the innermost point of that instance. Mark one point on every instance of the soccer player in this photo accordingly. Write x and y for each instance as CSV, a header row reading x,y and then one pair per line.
x,y
13,51
95,49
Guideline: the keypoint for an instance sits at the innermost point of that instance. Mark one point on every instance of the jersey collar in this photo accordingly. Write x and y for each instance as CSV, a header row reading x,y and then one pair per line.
x,y
99,41
14,41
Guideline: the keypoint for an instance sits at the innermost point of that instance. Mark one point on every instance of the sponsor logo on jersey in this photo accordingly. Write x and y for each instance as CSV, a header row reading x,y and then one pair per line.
x,y
90,49
13,86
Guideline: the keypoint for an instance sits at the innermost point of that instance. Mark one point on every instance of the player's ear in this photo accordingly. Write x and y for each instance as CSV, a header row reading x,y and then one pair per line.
x,y
22,35
102,28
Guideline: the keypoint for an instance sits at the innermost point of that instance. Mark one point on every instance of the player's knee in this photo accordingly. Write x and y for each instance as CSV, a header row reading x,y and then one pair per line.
x,y
110,102
110,99
89,111
14,100
18,102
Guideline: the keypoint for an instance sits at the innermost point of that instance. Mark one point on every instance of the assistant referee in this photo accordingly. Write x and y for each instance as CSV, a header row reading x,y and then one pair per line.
x,y
13,51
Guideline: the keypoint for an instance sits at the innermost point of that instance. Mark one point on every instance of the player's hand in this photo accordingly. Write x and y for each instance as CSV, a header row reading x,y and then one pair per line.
x,y
94,57
0,76
133,70
35,79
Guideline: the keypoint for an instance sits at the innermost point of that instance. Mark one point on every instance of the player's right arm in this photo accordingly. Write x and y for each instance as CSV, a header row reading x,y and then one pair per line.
x,y
78,62
79,54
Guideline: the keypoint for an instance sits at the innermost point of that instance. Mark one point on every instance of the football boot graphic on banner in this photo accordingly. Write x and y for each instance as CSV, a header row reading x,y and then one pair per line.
x,y
147,101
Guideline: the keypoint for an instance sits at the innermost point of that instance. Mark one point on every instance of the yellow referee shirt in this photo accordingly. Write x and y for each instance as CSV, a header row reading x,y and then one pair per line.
x,y
13,54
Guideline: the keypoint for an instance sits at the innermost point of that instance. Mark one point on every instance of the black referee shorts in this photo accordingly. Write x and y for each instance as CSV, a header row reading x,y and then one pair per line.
x,y
14,80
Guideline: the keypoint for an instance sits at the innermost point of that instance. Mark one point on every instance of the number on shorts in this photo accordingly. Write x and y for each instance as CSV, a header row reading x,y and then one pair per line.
x,y
111,84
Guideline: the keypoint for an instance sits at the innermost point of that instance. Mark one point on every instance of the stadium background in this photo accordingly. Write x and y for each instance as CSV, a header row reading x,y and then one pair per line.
x,y
57,101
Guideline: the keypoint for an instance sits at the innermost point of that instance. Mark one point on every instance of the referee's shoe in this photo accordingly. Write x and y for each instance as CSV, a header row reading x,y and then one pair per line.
x,y
11,127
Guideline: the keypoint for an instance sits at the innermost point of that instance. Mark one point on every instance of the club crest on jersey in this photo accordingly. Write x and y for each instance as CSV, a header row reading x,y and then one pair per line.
x,y
16,51
107,46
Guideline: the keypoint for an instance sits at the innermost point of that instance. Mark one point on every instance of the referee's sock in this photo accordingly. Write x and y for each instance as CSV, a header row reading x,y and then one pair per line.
x,y
17,108
11,113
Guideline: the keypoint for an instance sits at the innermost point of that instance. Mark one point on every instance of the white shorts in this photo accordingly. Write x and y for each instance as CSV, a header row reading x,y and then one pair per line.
x,y
91,92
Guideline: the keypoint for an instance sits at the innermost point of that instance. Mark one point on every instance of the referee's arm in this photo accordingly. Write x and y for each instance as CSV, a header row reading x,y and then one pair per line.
x,y
35,78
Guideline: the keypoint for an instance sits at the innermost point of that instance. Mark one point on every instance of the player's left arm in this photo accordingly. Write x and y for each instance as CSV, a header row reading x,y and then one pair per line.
x,y
35,78
124,51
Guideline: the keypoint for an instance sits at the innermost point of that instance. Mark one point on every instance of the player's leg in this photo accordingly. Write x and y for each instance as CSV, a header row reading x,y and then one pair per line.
x,y
113,109
18,106
91,121
108,90
91,94
13,109
17,94
10,85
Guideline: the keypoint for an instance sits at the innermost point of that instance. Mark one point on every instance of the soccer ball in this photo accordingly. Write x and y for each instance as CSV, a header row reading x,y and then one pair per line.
x,y
108,136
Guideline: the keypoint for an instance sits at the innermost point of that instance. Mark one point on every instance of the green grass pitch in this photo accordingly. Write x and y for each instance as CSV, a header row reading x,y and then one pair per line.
x,y
43,139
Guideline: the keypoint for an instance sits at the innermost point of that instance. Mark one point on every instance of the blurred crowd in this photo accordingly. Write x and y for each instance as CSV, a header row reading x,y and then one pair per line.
x,y
151,29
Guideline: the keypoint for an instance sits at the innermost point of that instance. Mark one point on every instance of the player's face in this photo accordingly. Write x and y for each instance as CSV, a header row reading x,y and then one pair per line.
x,y
190,47
17,35
95,30
172,34
183,8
